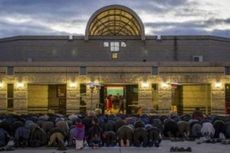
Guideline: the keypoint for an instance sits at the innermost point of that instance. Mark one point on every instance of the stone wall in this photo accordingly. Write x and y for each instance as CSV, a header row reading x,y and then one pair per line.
x,y
117,75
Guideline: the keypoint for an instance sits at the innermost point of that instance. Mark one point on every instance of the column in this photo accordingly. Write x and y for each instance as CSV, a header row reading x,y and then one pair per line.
x,y
165,98
217,98
20,97
145,97
3,97
72,98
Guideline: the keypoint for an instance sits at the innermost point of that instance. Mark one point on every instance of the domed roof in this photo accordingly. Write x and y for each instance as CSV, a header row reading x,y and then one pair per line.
x,y
115,20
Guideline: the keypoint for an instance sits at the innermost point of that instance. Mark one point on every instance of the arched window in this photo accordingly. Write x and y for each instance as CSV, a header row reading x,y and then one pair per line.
x,y
115,20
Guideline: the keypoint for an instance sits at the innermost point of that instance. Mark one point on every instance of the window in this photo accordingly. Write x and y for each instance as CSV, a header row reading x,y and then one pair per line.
x,y
114,55
10,70
10,95
123,44
106,44
82,70
198,58
74,52
114,46
155,70
227,70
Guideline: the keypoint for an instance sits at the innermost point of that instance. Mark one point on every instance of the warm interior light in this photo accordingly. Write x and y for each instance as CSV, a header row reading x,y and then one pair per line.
x,y
20,85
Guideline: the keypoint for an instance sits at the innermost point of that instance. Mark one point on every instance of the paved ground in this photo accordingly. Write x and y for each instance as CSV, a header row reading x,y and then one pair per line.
x,y
164,148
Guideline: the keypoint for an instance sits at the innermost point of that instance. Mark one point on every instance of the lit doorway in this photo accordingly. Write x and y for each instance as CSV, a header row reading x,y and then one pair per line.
x,y
129,93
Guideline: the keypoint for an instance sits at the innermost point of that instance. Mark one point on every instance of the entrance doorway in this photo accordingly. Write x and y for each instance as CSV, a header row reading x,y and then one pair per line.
x,y
187,97
43,98
177,99
128,93
57,98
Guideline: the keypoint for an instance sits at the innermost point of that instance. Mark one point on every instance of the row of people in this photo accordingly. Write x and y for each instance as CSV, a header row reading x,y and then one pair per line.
x,y
104,130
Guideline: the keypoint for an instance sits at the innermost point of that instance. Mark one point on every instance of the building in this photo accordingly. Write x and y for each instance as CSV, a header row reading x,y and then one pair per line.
x,y
69,74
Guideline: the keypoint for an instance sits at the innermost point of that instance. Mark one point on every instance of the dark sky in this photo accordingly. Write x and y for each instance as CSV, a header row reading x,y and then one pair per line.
x,y
165,17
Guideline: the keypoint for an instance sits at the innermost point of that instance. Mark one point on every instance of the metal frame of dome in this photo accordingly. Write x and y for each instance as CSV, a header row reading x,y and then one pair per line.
x,y
115,20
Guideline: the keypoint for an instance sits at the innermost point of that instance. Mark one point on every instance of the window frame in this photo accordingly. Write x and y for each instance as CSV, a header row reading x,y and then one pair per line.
x,y
114,46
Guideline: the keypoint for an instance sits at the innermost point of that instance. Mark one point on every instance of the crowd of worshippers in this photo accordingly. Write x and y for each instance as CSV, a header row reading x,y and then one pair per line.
x,y
95,131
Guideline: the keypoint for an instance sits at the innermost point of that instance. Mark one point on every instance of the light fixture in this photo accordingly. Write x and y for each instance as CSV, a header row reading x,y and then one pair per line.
x,y
93,85
73,84
1,84
164,85
145,84
218,84
20,85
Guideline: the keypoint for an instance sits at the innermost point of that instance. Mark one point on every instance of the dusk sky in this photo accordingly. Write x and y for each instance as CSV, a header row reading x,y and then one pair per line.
x,y
165,17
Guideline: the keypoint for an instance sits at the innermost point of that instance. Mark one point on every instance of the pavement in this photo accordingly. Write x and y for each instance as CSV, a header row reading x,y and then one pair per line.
x,y
164,148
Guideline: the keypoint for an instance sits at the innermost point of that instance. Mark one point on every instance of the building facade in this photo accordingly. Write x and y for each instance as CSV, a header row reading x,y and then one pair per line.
x,y
69,74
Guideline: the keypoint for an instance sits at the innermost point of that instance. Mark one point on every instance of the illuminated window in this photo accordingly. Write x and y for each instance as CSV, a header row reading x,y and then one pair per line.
x,y
123,44
106,44
114,46
114,55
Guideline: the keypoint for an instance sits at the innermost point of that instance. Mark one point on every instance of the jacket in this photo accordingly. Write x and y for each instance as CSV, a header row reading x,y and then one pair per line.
x,y
79,131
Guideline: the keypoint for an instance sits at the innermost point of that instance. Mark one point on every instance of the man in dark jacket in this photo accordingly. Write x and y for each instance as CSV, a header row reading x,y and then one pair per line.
x,y
125,135
4,137
170,129
94,135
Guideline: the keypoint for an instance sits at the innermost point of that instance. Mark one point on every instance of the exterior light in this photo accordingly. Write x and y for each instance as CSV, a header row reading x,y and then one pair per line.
x,y
20,85
93,85
73,84
164,85
218,85
145,85
1,84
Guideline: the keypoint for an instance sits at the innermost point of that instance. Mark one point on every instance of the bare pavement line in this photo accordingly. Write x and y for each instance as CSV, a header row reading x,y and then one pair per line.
x,y
164,148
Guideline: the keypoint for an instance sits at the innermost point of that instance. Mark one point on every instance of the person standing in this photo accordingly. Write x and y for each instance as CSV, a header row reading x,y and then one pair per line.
x,y
109,104
121,105
79,134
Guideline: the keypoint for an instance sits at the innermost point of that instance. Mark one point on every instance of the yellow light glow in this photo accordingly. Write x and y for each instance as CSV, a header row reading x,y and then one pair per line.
x,y
96,82
164,85
73,84
1,85
218,85
145,85
20,85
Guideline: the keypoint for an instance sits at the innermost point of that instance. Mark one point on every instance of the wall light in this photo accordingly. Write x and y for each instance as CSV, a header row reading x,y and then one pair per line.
x,y
164,85
218,84
1,84
145,85
20,85
73,84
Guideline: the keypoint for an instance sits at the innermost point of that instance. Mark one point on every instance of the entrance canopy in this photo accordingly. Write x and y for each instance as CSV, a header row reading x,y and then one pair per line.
x,y
115,20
